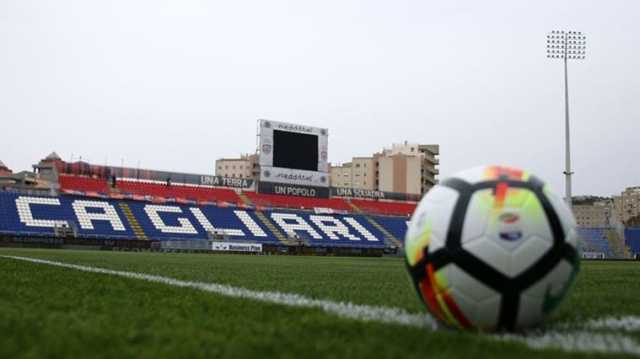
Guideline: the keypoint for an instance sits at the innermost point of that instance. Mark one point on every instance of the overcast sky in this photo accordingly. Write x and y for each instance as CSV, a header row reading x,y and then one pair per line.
x,y
177,84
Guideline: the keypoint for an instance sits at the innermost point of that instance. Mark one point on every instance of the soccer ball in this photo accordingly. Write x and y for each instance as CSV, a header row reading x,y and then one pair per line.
x,y
492,249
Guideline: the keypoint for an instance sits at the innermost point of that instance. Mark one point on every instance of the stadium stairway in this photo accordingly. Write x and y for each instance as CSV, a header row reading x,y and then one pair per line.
x,y
632,240
616,244
133,222
266,221
272,227
389,238
594,240
245,199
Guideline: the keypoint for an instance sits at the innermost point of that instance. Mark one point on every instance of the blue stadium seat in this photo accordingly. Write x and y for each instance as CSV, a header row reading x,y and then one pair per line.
x,y
336,230
632,239
594,240
176,222
38,215
395,225
27,215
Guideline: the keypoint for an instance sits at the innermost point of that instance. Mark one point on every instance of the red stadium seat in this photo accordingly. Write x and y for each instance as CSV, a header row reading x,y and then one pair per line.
x,y
271,200
209,194
387,208
179,191
83,183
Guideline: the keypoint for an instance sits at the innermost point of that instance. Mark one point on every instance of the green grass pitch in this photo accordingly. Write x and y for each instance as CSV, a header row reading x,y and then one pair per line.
x,y
49,311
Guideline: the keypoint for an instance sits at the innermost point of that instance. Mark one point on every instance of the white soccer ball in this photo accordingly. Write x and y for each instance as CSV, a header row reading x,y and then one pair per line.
x,y
492,248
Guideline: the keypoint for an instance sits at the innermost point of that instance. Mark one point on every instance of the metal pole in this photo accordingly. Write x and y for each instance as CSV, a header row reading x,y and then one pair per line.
x,y
567,171
566,45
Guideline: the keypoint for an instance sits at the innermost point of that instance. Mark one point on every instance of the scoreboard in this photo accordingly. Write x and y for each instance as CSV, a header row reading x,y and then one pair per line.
x,y
293,154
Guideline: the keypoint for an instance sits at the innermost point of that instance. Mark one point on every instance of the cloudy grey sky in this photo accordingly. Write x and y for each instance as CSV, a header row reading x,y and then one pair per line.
x,y
177,84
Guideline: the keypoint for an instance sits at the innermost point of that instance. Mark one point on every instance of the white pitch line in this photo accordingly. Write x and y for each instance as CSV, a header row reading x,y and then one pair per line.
x,y
627,323
580,341
342,309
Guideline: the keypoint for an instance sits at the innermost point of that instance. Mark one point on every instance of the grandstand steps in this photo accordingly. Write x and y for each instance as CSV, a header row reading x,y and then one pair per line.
x,y
246,200
616,243
389,238
133,222
272,227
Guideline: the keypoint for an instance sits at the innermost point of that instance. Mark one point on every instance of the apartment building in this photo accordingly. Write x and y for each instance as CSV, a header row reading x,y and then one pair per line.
x,y
404,168
243,167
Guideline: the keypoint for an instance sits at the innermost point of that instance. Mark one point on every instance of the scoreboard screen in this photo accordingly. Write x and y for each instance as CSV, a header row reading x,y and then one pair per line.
x,y
295,150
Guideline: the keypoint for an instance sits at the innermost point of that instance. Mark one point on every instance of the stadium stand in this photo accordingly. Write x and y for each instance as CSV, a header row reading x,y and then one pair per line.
x,y
279,201
41,216
83,183
395,225
174,222
103,218
70,183
77,183
27,215
594,240
386,208
632,239
327,230
200,194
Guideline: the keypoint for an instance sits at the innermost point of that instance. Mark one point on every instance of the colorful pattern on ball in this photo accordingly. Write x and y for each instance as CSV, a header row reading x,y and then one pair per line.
x,y
439,301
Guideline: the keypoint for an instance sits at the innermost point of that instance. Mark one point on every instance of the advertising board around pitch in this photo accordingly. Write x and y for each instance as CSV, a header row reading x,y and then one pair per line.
x,y
236,247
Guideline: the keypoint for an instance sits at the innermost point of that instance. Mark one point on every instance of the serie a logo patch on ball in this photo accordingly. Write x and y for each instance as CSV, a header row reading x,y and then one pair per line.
x,y
492,248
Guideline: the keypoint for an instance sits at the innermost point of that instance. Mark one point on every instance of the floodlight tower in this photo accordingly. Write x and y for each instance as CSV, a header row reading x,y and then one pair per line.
x,y
566,45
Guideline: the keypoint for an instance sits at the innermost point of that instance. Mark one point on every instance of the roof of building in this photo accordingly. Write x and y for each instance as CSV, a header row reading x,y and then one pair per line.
x,y
2,165
53,156
346,164
241,159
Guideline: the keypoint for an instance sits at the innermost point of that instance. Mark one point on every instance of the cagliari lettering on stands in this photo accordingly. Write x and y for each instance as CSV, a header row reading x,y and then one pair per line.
x,y
101,217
